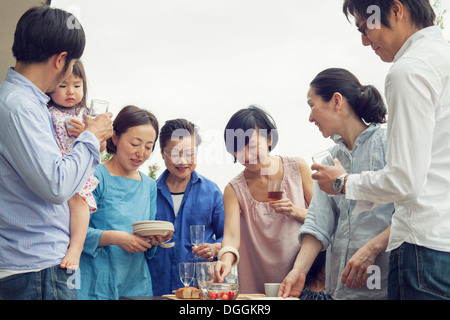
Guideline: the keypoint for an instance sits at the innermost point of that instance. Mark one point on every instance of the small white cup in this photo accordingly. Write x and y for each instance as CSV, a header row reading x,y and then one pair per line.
x,y
271,289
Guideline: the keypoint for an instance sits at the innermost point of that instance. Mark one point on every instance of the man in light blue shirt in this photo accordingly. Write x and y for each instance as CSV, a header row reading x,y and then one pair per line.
x,y
35,180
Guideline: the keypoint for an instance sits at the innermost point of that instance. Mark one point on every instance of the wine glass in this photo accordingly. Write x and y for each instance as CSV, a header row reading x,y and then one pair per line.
x,y
186,270
197,236
274,192
205,275
98,107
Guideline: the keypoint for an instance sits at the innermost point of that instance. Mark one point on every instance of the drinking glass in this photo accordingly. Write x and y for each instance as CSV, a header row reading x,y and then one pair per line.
x,y
197,236
98,107
205,276
186,270
323,157
232,277
274,192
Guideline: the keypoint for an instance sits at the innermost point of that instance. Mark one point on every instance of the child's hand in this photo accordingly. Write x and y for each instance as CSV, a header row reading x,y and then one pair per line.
x,y
76,127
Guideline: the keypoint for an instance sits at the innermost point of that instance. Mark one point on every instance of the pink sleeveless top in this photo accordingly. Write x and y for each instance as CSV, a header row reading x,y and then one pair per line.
x,y
269,243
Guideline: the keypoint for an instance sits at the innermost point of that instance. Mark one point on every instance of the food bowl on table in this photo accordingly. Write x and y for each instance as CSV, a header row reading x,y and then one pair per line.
x,y
222,291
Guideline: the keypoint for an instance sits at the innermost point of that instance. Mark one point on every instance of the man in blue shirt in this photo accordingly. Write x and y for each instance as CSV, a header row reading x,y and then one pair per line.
x,y
35,180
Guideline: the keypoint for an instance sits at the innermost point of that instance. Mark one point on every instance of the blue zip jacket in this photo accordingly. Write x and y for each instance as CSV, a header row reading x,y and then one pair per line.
x,y
202,204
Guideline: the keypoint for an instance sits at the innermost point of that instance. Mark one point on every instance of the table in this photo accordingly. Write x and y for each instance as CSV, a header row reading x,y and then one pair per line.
x,y
154,298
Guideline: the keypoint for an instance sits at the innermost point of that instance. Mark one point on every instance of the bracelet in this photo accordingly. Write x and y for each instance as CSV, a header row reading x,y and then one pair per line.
x,y
229,249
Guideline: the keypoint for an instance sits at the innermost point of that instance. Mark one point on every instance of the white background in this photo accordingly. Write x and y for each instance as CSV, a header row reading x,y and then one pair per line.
x,y
204,59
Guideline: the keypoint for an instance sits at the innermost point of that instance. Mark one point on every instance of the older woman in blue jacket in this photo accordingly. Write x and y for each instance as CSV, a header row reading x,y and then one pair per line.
x,y
184,198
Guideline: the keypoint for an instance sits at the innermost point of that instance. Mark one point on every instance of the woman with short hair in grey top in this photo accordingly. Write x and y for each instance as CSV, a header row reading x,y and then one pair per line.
x,y
357,264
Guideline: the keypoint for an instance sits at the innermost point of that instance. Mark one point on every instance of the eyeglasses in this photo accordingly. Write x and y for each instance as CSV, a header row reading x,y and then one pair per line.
x,y
176,155
363,28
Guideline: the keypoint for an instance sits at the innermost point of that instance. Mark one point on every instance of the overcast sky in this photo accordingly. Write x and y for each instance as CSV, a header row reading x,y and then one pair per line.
x,y
204,59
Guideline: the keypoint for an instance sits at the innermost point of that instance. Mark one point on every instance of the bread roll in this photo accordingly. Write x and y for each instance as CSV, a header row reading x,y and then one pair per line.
x,y
188,293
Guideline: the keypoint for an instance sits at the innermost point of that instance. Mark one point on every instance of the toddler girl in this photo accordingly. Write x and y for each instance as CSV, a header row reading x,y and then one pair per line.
x,y
68,108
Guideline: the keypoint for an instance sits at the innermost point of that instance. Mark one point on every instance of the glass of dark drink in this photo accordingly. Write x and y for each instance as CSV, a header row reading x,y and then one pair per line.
x,y
274,192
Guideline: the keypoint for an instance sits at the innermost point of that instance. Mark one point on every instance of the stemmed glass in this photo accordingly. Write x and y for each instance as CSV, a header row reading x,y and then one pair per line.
x,y
186,270
205,276
197,236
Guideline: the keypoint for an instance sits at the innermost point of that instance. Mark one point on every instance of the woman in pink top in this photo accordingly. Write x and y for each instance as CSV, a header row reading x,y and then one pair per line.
x,y
261,235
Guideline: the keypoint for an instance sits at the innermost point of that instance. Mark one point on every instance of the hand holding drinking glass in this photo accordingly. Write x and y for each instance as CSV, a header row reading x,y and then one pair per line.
x,y
274,192
324,158
197,236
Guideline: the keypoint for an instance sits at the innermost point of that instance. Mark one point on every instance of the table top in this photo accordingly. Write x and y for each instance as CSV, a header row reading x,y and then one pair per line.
x,y
172,297
157,298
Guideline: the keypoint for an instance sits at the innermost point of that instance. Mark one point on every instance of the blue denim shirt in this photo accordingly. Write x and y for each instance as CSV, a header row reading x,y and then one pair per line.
x,y
331,221
202,204
35,180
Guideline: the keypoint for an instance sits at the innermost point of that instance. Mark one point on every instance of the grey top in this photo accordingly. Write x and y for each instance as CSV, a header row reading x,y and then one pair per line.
x,y
331,221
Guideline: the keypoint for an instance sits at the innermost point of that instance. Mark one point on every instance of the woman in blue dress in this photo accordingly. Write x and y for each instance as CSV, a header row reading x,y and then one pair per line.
x,y
114,260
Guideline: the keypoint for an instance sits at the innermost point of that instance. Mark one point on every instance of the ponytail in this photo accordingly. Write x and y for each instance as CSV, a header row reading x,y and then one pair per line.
x,y
370,106
365,101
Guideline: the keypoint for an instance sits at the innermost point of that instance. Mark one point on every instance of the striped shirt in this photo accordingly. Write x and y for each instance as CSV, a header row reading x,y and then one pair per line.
x,y
35,180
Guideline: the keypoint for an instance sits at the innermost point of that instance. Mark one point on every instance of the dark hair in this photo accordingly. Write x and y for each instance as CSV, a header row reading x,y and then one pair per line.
x,y
178,128
44,31
365,101
317,268
78,71
128,117
422,13
245,121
